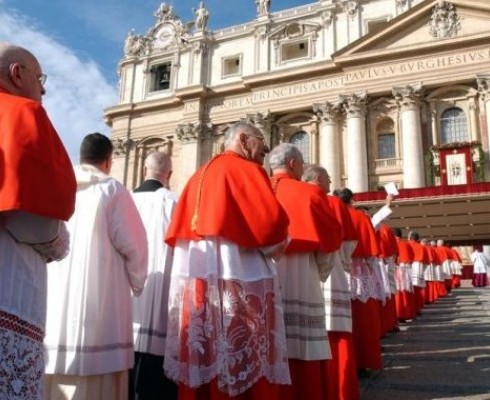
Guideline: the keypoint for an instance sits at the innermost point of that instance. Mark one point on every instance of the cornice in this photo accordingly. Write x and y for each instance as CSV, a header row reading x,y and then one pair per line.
x,y
309,70
144,106
430,47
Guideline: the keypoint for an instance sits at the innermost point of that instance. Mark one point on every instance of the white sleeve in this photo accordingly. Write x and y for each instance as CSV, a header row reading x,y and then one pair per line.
x,y
326,262
383,213
48,236
29,228
128,236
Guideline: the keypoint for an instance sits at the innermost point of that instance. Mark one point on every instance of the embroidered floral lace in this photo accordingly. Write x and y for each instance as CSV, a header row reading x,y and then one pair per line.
x,y
362,280
21,363
225,329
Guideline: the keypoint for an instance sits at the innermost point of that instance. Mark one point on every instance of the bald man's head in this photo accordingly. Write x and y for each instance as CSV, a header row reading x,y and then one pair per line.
x,y
20,72
158,166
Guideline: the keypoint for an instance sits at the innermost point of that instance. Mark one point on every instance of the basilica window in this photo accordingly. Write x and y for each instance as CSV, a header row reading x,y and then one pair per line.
x,y
385,130
295,50
232,66
454,127
302,141
386,146
160,76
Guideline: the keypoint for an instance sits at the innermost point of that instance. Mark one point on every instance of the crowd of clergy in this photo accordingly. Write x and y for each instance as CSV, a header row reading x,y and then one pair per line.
x,y
257,286
249,285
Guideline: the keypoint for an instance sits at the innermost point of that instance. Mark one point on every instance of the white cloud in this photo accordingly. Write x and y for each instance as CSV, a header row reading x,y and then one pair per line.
x,y
77,92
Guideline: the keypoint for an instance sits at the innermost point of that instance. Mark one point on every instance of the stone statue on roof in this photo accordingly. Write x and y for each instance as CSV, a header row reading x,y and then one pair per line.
x,y
263,6
164,12
202,16
134,44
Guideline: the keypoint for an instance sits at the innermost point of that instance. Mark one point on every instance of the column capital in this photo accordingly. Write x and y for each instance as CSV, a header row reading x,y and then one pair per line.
x,y
122,146
408,97
350,7
327,112
261,121
189,132
483,82
354,104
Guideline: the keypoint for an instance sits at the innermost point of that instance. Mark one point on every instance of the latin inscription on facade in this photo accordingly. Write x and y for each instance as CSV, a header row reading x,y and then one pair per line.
x,y
344,80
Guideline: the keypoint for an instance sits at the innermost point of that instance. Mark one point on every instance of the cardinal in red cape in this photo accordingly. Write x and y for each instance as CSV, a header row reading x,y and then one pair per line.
x,y
224,295
314,233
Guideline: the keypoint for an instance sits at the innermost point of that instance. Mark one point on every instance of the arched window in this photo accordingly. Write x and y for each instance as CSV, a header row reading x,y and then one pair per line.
x,y
302,141
454,127
385,130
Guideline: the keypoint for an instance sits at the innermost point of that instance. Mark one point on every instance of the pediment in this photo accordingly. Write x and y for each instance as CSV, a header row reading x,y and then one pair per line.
x,y
429,24
294,30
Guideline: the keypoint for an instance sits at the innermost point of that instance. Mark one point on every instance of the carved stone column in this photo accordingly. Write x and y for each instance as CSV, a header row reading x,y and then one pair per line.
x,y
408,99
190,136
124,159
357,165
474,126
433,123
330,154
483,81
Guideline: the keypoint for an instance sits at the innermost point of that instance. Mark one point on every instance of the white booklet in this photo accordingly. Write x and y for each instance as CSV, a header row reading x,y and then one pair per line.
x,y
391,189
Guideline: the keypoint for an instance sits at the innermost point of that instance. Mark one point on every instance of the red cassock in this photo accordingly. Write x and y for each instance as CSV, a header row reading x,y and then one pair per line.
x,y
404,299
312,228
445,255
456,282
36,175
419,255
366,320
342,380
229,197
431,291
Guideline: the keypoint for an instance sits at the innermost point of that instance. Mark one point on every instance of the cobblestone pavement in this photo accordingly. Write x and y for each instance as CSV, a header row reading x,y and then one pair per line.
x,y
443,355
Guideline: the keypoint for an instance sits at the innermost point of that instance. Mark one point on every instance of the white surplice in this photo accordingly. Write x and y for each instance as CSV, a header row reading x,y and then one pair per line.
x,y
304,306
89,318
225,317
150,309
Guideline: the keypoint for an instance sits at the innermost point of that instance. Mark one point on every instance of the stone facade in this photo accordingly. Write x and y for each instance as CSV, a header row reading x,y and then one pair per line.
x,y
364,87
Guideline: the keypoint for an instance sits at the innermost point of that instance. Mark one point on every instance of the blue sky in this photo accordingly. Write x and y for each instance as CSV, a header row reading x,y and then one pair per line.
x,y
79,44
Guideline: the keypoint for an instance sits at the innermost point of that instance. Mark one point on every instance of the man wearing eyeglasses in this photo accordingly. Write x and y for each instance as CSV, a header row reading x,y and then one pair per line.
x,y
37,193
225,333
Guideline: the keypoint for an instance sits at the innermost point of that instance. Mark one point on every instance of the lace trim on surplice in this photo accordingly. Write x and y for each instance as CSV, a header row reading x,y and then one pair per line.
x,y
226,329
21,359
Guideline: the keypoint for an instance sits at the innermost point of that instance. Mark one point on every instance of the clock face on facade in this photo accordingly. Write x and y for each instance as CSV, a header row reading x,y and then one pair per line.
x,y
165,36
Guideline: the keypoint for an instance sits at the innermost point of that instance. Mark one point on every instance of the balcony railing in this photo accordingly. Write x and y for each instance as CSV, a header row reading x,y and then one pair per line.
x,y
387,164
